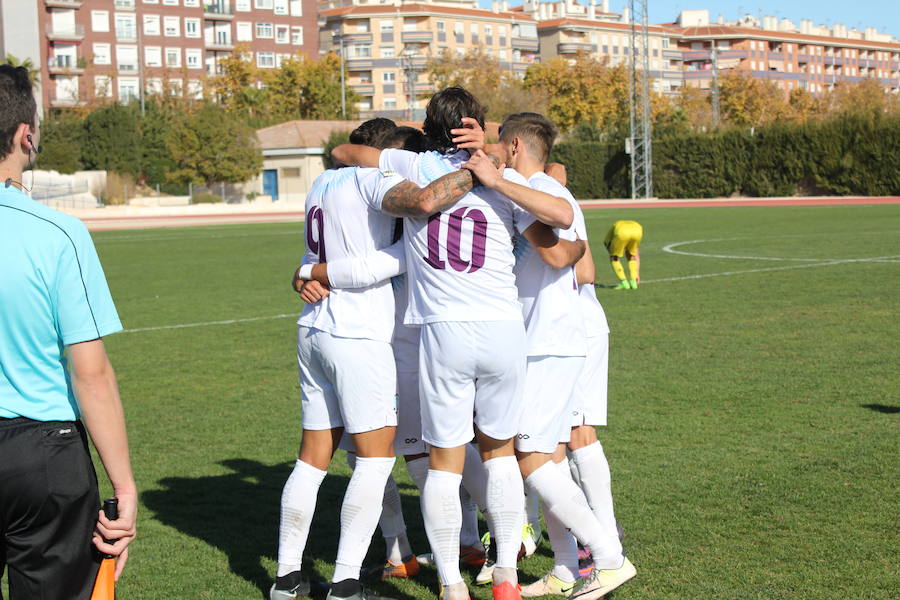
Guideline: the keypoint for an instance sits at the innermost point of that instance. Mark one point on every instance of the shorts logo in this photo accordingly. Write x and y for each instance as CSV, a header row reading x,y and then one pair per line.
x,y
410,440
523,436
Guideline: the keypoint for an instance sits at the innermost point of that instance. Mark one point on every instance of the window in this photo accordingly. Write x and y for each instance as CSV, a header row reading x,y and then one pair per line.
x,y
191,3
488,30
388,52
173,57
387,25
127,58
242,5
458,28
360,51
172,26
193,58
101,54
151,1
281,7
126,27
390,103
503,55
128,89
409,24
265,60
195,89
264,4
362,26
103,86
191,28
153,85
297,35
264,30
244,31
153,56
296,8
170,2
282,34
365,77
100,21
389,77
124,4
501,31
440,26
151,24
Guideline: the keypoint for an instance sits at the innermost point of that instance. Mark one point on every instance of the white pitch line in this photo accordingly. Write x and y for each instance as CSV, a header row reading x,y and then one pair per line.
x,y
670,248
207,323
805,266
189,238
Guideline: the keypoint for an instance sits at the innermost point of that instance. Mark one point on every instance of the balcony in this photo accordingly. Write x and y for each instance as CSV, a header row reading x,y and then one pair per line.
x,y
128,34
67,34
364,89
530,44
417,37
574,48
126,4
218,12
355,38
358,64
127,68
672,54
65,65
222,44
63,3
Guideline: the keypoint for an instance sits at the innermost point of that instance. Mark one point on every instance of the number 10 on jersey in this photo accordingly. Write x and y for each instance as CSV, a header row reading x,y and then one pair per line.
x,y
452,224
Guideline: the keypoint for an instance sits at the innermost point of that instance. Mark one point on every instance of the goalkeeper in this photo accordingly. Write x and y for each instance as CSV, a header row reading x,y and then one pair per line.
x,y
624,239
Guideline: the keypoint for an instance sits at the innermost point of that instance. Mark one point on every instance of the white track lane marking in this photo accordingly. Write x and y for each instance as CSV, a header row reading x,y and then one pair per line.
x,y
208,323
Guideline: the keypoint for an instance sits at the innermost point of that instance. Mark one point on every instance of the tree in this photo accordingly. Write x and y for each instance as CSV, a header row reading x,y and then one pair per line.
x,y
583,89
61,134
335,138
112,139
866,98
156,127
496,88
746,101
304,88
210,147
235,88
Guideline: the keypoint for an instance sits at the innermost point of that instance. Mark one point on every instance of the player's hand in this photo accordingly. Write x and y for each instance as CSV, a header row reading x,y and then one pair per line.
x,y
312,292
557,171
485,169
297,281
121,531
470,136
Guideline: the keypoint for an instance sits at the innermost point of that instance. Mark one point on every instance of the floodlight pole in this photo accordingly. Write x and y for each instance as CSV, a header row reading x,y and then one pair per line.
x,y
639,103
340,37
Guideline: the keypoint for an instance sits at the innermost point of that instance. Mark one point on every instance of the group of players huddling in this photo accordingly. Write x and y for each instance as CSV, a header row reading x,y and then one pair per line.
x,y
451,318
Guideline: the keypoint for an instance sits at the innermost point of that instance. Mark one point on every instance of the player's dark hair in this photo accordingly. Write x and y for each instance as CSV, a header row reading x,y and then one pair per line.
x,y
371,132
537,131
445,111
407,138
17,105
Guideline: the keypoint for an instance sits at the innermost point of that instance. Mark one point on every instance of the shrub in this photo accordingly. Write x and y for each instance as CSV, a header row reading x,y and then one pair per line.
x,y
206,198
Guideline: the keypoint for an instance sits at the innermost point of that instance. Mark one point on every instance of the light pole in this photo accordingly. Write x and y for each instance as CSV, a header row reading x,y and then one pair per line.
x,y
340,38
411,77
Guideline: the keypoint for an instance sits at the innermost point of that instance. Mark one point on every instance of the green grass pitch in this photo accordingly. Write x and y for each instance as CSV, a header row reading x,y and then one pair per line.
x,y
754,398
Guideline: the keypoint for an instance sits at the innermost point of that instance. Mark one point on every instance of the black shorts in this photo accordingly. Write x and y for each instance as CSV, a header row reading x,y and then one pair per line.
x,y
48,509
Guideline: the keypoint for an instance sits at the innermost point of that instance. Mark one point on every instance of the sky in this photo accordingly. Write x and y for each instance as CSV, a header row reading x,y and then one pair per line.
x,y
881,14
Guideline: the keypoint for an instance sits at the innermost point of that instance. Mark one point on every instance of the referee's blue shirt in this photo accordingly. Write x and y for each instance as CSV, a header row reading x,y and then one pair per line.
x,y
52,294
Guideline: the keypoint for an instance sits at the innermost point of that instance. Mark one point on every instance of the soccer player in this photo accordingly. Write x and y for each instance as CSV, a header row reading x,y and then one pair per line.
x,y
463,295
347,369
56,383
557,348
624,238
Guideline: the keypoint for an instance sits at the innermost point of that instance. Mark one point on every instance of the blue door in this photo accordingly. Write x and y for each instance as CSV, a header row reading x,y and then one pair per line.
x,y
270,183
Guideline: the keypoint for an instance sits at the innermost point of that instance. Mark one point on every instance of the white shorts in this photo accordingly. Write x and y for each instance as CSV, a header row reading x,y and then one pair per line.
x,y
589,407
346,382
471,368
409,414
549,385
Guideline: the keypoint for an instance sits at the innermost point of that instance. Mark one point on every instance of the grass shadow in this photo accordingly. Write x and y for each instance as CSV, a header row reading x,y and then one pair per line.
x,y
882,408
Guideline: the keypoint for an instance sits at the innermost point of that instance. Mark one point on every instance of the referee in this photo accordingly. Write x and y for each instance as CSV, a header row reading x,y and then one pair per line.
x,y
56,383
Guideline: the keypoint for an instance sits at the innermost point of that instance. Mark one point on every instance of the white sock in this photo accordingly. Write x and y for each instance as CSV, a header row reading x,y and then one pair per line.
x,y
443,520
391,523
597,486
469,534
475,477
573,467
418,471
533,511
298,504
504,510
566,502
359,514
565,549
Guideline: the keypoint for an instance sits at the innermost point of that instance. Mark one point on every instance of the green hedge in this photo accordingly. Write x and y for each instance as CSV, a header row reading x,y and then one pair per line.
x,y
843,156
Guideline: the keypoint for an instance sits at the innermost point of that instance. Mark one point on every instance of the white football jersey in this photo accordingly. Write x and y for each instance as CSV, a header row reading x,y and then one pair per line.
x,y
459,261
549,297
344,220
591,310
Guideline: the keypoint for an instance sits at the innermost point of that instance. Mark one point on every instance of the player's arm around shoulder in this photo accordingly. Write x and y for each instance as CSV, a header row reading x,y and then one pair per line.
x,y
356,155
556,252
547,208
97,393
406,199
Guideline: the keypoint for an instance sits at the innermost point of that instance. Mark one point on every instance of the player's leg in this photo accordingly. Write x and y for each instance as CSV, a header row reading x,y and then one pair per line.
x,y
366,388
632,247
616,251
322,431
447,392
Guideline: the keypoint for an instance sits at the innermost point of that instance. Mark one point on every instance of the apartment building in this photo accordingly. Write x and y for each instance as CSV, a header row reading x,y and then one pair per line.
x,y
121,49
809,57
387,46
566,27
